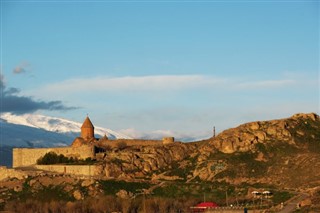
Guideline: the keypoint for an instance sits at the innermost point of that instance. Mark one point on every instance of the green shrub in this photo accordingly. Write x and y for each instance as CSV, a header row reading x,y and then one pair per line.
x,y
53,158
111,187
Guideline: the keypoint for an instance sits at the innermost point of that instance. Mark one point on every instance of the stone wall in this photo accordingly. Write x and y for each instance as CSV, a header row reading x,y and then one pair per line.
x,y
140,142
168,140
134,142
28,156
87,170
11,173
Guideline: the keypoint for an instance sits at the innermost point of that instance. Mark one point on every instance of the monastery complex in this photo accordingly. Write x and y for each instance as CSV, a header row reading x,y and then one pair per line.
x,y
83,147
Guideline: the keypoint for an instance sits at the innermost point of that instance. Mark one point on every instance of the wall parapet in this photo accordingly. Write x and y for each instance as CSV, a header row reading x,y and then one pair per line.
x,y
11,173
23,157
86,170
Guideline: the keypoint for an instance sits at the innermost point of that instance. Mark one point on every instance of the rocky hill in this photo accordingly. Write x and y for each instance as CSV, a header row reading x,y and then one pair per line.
x,y
282,156
282,152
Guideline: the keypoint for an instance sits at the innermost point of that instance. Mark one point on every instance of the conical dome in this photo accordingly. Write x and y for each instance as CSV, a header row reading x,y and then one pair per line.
x,y
87,129
104,138
87,123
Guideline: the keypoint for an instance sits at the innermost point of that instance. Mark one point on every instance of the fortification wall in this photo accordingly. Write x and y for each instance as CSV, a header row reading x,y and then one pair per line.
x,y
134,142
140,142
87,170
11,173
28,156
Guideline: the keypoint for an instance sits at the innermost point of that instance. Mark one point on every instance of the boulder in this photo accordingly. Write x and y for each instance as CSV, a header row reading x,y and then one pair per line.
x,y
254,125
87,182
77,195
261,136
272,130
124,194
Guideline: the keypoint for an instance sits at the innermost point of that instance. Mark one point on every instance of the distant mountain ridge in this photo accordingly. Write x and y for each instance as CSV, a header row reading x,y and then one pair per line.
x,y
56,125
31,130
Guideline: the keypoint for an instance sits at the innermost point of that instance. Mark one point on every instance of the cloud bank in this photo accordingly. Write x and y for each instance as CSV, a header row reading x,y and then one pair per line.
x,y
11,102
142,83
158,83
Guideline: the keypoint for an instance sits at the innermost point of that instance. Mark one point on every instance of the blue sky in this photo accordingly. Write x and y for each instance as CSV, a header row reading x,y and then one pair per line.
x,y
162,67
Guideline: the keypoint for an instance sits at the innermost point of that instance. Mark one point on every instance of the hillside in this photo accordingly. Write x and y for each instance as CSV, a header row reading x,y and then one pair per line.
x,y
283,152
282,156
253,152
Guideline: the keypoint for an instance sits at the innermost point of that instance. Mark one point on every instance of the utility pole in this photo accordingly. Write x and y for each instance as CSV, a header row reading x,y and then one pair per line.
x,y
227,197
214,131
144,202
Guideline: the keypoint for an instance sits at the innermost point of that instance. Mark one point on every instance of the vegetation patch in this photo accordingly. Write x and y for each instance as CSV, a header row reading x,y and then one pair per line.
x,y
51,193
281,196
53,158
111,187
213,191
226,173
180,172
44,194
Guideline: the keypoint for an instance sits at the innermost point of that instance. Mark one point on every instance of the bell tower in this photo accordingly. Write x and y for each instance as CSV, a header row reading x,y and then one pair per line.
x,y
87,129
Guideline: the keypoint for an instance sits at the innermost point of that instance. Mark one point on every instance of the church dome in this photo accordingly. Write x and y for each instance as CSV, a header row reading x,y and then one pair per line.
x,y
87,129
87,123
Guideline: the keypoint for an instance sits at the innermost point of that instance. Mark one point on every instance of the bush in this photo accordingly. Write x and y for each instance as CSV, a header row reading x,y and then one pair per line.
x,y
53,158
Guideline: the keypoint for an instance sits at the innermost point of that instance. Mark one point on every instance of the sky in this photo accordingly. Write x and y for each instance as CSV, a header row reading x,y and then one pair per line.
x,y
160,68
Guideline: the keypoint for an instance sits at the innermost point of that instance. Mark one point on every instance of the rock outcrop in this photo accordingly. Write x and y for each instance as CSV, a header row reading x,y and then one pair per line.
x,y
145,160
246,152
246,136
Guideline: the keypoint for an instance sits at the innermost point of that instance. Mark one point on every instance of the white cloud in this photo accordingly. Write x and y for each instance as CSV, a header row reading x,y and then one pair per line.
x,y
267,84
157,83
130,83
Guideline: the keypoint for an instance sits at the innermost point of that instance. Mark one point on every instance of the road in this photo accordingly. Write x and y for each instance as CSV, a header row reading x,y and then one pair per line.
x,y
292,204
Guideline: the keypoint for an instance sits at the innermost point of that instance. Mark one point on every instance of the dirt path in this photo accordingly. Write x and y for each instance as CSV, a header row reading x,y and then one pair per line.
x,y
292,204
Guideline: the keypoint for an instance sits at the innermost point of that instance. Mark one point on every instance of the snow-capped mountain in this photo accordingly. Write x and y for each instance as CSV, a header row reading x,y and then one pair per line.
x,y
39,131
31,130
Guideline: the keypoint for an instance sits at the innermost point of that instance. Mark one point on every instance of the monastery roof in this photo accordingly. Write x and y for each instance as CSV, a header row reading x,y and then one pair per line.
x,y
87,123
104,138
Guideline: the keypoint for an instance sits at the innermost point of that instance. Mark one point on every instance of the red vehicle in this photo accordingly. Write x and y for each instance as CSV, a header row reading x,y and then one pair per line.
x,y
201,207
